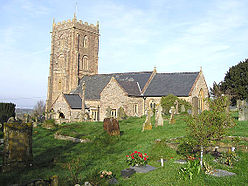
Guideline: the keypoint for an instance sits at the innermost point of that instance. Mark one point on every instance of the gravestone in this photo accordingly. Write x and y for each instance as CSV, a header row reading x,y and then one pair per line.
x,y
147,125
126,173
17,152
172,117
111,126
220,173
176,110
194,106
121,114
143,169
108,112
243,111
159,119
182,109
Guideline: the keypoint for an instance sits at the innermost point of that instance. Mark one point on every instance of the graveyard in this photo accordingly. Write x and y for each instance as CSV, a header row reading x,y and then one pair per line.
x,y
98,153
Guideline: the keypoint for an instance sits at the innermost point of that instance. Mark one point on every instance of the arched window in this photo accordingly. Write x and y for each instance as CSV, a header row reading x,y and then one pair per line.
x,y
201,100
85,63
86,42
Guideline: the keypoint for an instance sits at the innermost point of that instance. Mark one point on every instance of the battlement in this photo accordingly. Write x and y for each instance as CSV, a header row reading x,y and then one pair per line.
x,y
74,22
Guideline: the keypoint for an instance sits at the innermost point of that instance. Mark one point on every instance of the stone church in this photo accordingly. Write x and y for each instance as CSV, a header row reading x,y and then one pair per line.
x,y
75,88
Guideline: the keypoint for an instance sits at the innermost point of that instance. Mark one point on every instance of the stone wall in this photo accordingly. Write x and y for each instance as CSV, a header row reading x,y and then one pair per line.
x,y
68,49
114,96
61,106
200,84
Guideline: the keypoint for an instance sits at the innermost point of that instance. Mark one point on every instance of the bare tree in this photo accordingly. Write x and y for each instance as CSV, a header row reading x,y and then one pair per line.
x,y
39,108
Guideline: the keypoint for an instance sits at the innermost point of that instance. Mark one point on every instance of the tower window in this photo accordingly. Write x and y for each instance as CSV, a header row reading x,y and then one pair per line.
x,y
86,42
85,63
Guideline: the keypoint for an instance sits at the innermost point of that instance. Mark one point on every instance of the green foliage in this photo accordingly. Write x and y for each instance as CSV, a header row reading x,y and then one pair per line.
x,y
169,101
186,147
236,81
7,110
228,158
216,91
211,124
192,169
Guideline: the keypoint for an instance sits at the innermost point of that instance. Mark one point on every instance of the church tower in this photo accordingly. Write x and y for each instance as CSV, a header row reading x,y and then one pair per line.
x,y
74,53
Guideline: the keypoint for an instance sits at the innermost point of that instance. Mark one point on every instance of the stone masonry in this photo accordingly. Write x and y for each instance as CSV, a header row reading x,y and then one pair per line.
x,y
74,53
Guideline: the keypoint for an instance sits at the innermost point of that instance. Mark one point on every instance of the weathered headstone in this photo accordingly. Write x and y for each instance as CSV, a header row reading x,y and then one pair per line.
x,y
147,125
17,151
108,112
159,119
111,126
176,107
243,111
172,117
121,114
183,109
194,106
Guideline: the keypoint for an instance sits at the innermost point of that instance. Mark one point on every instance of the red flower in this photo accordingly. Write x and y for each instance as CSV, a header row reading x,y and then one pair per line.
x,y
145,154
171,157
138,152
127,156
132,157
135,151
145,158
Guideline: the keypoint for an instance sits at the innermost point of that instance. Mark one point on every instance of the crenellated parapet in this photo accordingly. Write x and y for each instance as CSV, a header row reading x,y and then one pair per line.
x,y
77,24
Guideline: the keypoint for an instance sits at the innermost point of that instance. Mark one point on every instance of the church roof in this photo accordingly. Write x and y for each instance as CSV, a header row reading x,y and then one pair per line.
x,y
74,101
178,84
162,84
129,81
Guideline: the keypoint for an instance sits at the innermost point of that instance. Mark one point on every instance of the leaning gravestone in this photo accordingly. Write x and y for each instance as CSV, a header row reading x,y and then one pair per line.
x,y
17,152
111,126
194,106
172,117
147,125
159,119
243,111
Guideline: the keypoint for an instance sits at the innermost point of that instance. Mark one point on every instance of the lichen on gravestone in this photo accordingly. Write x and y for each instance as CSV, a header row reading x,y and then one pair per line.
x,y
159,119
17,151
147,125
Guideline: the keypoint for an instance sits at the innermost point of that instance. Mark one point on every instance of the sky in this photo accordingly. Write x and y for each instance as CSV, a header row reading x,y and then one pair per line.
x,y
171,35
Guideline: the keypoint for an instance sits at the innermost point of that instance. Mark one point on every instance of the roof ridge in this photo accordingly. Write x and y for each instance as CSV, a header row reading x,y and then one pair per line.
x,y
179,72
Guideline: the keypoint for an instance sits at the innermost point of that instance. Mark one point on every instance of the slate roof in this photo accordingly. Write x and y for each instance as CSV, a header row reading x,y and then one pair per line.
x,y
128,81
178,84
74,101
162,84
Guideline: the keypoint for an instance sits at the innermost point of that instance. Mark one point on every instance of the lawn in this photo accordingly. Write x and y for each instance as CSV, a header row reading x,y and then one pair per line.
x,y
80,162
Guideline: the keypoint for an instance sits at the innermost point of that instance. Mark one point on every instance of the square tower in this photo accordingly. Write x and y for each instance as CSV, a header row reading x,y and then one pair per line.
x,y
74,53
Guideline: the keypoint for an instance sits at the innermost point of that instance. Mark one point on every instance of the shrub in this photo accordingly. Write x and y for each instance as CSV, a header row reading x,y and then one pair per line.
x,y
168,101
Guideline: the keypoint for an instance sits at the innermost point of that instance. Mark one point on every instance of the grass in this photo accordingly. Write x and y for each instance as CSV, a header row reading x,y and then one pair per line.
x,y
80,162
